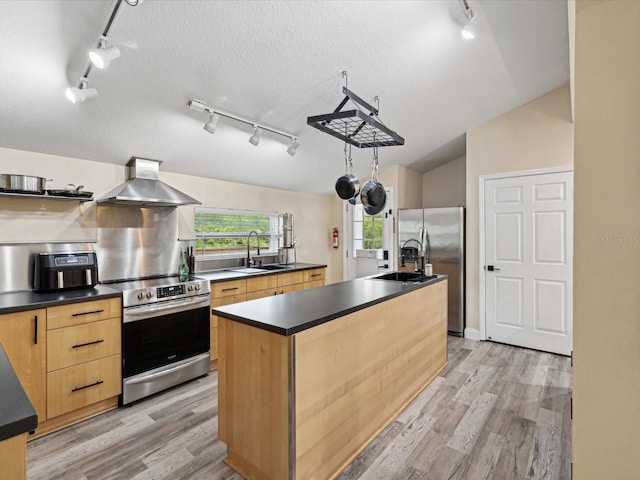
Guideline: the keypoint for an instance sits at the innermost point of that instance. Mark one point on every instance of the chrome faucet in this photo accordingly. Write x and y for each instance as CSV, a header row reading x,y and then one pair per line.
x,y
421,255
249,261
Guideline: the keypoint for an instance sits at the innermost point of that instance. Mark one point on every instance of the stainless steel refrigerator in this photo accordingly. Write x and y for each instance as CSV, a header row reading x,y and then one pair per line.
x,y
440,233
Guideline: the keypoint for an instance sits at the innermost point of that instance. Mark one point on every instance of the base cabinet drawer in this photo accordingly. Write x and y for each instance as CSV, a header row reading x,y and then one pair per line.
x,y
83,343
84,312
314,275
75,387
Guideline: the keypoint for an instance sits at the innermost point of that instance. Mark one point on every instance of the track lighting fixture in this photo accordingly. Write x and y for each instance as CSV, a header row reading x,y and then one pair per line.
x,y
81,92
469,29
255,138
293,147
215,114
210,126
100,57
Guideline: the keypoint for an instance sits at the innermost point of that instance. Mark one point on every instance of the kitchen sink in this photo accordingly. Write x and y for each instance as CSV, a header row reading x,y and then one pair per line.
x,y
402,277
246,270
272,267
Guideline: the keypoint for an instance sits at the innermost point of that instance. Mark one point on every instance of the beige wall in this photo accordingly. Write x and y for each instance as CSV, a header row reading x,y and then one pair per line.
x,y
25,220
536,135
606,394
445,186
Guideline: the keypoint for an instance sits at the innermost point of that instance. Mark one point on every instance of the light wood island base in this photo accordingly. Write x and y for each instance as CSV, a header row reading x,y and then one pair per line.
x,y
13,457
304,406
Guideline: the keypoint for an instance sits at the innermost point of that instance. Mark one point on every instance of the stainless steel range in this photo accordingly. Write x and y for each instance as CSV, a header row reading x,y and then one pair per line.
x,y
165,334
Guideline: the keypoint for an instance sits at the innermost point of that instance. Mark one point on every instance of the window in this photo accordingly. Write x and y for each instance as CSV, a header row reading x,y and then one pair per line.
x,y
224,232
367,230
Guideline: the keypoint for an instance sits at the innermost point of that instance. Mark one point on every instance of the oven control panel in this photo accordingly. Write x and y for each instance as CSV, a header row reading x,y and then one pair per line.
x,y
172,291
147,294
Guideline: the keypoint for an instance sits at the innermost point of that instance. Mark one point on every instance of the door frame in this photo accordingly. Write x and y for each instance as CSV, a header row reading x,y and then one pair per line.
x,y
347,234
482,179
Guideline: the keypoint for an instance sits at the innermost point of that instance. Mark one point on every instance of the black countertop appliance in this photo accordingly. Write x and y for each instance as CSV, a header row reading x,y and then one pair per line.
x,y
65,271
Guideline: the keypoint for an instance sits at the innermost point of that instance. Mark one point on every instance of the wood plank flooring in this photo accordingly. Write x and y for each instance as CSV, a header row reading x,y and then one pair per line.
x,y
495,412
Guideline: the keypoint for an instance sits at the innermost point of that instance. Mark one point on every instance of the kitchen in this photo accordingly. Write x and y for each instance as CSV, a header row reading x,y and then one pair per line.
x,y
539,126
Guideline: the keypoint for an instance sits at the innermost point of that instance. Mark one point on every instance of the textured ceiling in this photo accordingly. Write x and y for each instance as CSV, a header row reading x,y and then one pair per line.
x,y
276,62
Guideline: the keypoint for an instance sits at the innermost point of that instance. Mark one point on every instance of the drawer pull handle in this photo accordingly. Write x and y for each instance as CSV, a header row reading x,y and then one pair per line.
x,y
78,345
99,382
230,288
87,313
35,331
316,274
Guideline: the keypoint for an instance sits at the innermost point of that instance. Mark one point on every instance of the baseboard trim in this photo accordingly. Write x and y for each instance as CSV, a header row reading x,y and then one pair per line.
x,y
472,334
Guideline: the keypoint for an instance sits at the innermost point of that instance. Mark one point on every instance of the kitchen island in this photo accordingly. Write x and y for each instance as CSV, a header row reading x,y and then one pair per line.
x,y
307,380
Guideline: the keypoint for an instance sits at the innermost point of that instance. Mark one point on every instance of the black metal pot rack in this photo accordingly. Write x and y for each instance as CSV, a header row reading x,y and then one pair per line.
x,y
359,128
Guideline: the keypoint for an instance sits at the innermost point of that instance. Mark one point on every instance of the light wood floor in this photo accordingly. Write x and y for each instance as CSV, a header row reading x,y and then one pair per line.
x,y
495,412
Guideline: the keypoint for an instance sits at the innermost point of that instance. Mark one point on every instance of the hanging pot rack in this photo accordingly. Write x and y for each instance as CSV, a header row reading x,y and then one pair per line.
x,y
357,127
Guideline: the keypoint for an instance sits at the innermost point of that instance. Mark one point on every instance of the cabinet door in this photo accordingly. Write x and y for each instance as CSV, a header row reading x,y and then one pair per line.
x,y
291,288
221,302
269,292
23,336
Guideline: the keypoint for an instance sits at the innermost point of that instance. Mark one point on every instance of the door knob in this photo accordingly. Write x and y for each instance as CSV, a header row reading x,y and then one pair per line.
x,y
491,268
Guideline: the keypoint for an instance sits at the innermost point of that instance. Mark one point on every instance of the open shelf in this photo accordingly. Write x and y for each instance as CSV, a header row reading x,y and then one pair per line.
x,y
46,196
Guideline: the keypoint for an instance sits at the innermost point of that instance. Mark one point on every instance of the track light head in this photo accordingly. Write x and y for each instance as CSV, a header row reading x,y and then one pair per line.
x,y
210,126
81,92
101,57
469,30
255,138
293,147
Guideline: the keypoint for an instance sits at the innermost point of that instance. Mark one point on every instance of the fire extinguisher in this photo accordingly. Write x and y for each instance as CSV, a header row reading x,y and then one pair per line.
x,y
335,237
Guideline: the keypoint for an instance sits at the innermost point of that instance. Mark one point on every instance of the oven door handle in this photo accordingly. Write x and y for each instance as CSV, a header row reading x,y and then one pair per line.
x,y
153,376
169,307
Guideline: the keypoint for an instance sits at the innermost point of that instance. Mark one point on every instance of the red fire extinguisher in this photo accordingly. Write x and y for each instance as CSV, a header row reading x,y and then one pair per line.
x,y
335,237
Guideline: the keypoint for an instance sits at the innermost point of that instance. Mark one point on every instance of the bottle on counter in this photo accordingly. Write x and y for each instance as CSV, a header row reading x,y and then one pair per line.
x,y
183,269
428,269
192,262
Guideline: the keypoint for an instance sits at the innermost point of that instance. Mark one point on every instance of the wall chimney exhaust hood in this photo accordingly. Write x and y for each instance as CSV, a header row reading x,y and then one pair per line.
x,y
145,189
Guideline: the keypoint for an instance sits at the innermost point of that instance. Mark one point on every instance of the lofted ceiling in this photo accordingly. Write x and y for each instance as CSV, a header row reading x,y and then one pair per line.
x,y
275,62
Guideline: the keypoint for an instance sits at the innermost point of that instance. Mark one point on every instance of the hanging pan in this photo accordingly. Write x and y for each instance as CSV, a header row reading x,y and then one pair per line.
x,y
348,185
373,195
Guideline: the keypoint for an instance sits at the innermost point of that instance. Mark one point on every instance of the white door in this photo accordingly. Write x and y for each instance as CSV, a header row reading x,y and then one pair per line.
x,y
528,261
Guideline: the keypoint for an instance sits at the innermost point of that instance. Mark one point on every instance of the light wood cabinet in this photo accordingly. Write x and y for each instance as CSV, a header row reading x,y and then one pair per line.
x,y
290,278
75,387
223,293
315,275
226,289
24,338
83,361
84,312
13,457
83,343
252,288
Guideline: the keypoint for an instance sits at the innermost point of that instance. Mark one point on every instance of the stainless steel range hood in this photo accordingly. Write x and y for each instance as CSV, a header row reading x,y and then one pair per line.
x,y
145,189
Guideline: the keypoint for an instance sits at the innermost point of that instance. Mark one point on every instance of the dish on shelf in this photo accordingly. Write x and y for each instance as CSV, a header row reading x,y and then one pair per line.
x,y
68,193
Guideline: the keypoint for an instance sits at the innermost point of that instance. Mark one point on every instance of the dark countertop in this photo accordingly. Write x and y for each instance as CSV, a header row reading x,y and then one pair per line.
x,y
236,273
31,300
298,311
16,412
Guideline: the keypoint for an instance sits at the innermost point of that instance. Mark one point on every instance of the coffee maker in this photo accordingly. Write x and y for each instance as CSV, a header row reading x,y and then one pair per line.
x,y
287,249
